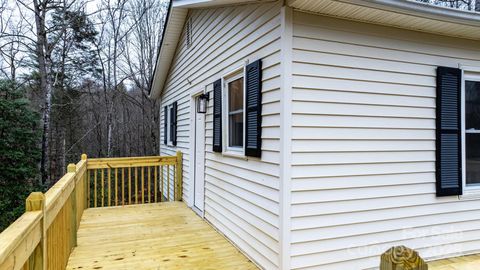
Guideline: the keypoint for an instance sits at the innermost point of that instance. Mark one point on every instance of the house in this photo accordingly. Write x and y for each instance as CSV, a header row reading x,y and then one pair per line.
x,y
334,129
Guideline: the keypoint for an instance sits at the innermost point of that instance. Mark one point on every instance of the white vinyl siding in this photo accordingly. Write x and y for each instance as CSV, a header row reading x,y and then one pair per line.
x,y
241,195
363,145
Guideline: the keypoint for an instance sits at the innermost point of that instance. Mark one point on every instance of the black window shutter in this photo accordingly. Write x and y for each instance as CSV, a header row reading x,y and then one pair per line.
x,y
165,125
217,116
174,123
253,105
448,132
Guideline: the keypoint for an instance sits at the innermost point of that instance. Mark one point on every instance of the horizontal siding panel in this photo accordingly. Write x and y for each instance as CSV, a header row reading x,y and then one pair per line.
x,y
220,62
361,157
268,244
233,163
361,74
362,252
358,241
218,187
309,133
314,196
339,182
310,107
301,227
361,169
251,186
366,35
235,236
351,97
217,42
358,62
364,86
347,48
269,229
368,204
375,145
315,120
258,239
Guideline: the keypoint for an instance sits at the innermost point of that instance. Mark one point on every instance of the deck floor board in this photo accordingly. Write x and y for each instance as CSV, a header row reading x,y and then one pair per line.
x,y
151,236
469,262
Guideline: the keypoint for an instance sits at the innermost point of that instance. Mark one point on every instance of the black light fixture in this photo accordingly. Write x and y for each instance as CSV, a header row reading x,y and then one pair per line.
x,y
202,103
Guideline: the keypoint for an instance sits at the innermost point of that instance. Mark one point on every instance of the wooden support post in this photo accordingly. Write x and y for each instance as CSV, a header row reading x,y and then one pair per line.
x,y
402,258
38,261
86,182
72,168
178,172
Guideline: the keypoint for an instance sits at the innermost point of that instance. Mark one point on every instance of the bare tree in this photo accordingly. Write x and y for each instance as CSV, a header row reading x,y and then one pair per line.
x,y
147,20
471,5
33,35
100,108
38,42
112,18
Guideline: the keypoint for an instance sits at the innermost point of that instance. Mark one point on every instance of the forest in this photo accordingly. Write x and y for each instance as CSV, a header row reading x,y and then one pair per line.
x,y
469,5
74,78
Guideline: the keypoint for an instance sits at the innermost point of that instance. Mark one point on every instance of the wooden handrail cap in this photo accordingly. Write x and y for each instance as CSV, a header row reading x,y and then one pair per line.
x,y
71,168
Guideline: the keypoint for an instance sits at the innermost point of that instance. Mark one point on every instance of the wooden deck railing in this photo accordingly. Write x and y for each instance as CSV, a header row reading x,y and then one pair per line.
x,y
44,236
123,181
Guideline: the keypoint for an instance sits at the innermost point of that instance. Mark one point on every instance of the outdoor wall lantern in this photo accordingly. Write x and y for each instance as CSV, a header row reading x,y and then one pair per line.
x,y
202,103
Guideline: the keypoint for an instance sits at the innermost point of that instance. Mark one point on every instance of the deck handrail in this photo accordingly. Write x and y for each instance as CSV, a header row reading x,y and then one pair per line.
x,y
125,181
44,236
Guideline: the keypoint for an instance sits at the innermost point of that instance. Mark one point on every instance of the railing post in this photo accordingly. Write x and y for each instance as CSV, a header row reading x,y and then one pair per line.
x,y
86,182
72,168
401,257
179,174
36,202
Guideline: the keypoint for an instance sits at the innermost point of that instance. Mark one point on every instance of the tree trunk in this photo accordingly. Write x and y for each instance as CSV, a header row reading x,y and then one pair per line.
x,y
45,85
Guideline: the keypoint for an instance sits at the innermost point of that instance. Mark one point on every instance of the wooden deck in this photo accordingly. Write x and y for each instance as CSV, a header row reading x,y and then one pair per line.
x,y
151,236
470,262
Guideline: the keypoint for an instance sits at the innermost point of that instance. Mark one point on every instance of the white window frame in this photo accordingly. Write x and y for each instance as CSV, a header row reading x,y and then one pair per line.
x,y
169,138
469,73
226,79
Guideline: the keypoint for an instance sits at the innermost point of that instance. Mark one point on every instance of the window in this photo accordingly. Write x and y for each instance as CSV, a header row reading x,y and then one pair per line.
x,y
472,129
170,124
237,112
234,90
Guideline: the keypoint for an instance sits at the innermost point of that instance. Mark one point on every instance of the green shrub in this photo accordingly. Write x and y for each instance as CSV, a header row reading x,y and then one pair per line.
x,y
19,151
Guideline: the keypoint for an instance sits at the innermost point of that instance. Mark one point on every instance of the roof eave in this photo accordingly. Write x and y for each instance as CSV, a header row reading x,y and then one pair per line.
x,y
170,37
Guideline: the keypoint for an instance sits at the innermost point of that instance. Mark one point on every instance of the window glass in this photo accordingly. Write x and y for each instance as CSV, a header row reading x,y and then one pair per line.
x,y
472,129
235,113
472,105
235,95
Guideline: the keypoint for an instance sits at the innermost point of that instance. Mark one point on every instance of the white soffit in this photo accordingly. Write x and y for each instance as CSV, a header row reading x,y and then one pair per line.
x,y
399,13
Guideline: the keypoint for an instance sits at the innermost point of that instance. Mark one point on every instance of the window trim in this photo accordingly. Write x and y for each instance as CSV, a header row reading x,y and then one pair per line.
x,y
469,73
227,78
169,125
